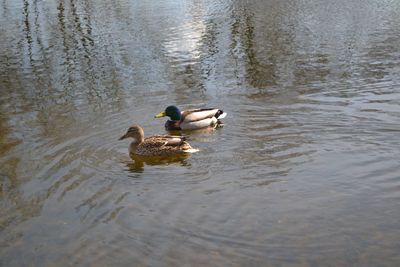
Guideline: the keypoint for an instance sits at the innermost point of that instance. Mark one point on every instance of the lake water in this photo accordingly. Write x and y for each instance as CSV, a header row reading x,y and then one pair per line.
x,y
305,171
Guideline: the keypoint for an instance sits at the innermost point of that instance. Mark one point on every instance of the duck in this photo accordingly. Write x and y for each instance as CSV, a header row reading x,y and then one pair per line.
x,y
191,119
156,145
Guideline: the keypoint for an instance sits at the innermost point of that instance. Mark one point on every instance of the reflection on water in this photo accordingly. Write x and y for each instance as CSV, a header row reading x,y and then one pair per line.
x,y
304,172
139,162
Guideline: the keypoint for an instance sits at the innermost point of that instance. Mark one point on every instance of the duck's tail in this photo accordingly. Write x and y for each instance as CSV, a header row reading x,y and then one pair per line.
x,y
222,115
191,150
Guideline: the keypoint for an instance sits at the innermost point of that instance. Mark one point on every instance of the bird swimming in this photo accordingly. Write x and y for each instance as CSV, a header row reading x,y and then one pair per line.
x,y
191,119
156,145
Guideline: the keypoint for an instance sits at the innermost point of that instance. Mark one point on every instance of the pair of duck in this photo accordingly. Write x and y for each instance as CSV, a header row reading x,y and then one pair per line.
x,y
159,145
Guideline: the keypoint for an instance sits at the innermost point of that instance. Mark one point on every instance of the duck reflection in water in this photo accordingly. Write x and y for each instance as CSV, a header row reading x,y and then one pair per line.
x,y
203,132
139,162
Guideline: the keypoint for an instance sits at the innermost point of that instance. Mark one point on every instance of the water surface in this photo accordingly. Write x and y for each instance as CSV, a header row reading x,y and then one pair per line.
x,y
305,171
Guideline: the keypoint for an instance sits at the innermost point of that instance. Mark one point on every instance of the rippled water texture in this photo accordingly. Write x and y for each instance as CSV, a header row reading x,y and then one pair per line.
x,y
305,171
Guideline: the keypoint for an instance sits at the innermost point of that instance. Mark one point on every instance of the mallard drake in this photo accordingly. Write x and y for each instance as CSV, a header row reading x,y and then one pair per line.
x,y
191,119
156,145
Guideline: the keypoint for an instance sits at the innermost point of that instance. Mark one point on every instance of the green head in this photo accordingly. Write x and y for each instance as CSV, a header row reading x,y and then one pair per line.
x,y
171,111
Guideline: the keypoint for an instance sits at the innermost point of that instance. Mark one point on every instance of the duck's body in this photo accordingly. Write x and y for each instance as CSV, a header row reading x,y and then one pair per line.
x,y
156,145
160,145
191,119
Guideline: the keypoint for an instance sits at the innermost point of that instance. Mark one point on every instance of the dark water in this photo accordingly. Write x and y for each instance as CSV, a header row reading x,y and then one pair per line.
x,y
304,173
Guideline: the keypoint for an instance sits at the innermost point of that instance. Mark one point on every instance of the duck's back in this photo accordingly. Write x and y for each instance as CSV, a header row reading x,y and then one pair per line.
x,y
163,145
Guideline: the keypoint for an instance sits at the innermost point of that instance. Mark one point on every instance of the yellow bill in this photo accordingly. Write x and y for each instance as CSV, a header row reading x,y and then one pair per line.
x,y
160,115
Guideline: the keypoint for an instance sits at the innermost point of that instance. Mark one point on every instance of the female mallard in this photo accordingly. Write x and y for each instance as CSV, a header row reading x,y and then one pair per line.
x,y
156,145
191,119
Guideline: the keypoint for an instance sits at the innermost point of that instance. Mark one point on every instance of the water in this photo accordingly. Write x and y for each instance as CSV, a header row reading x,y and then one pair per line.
x,y
304,172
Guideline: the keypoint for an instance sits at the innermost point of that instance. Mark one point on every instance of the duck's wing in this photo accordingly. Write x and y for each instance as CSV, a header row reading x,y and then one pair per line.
x,y
193,115
164,140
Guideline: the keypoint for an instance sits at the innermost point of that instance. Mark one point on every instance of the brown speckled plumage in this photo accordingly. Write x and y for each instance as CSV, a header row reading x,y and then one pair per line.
x,y
156,145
